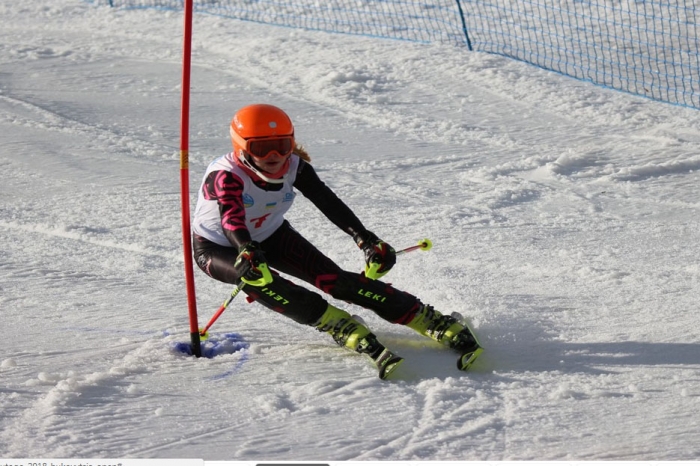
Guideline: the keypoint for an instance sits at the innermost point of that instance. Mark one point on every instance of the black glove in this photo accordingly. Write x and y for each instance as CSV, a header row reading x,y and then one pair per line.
x,y
251,265
379,256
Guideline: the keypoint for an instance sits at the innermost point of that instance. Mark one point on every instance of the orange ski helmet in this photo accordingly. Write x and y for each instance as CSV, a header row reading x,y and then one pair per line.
x,y
258,131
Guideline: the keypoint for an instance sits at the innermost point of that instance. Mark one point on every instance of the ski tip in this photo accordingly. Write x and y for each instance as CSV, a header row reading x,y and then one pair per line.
x,y
466,360
388,368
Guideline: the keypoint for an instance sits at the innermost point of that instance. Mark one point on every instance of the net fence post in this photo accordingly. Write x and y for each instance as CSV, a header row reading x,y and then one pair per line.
x,y
464,25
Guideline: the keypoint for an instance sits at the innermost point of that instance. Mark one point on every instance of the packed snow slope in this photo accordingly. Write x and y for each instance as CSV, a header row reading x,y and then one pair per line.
x,y
564,219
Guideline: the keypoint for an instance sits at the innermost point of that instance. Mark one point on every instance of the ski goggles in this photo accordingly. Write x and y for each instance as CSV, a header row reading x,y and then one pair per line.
x,y
262,148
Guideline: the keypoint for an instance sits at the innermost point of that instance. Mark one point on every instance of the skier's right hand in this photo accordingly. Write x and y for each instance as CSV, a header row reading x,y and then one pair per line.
x,y
251,265
380,257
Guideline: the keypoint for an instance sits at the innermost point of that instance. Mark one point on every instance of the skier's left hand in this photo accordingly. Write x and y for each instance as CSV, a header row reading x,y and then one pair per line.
x,y
251,265
380,257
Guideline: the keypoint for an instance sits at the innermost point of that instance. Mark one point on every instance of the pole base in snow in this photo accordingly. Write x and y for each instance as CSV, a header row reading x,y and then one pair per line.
x,y
215,345
196,347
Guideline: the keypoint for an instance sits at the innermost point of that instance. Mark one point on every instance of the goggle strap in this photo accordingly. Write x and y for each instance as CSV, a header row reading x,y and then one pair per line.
x,y
253,168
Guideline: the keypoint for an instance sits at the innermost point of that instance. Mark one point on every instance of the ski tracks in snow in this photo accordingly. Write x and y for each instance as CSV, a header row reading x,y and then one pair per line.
x,y
18,111
68,419
89,410
469,418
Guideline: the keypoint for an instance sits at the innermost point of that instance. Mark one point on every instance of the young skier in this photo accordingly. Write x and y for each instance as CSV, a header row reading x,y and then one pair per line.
x,y
241,235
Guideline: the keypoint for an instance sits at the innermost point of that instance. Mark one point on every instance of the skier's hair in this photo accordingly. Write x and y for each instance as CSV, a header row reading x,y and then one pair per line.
x,y
301,152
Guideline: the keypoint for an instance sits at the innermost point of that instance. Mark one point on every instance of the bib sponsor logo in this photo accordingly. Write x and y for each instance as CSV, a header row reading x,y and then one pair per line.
x,y
248,200
257,222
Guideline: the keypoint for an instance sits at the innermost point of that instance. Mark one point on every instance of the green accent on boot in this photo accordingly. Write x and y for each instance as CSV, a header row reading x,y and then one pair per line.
x,y
387,362
350,333
345,330
433,324
467,359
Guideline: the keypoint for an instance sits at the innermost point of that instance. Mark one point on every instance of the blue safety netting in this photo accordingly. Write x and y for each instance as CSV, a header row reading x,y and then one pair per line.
x,y
647,48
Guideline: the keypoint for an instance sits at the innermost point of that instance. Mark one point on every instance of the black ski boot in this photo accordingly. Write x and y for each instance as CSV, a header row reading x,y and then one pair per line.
x,y
450,331
351,333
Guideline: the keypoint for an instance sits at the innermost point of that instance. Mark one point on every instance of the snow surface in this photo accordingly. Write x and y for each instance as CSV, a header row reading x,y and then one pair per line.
x,y
564,219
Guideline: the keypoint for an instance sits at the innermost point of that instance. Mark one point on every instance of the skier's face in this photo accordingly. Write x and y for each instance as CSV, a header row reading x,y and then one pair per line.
x,y
271,164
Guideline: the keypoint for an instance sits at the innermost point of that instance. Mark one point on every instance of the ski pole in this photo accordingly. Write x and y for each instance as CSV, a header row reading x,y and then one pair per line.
x,y
423,245
371,271
222,308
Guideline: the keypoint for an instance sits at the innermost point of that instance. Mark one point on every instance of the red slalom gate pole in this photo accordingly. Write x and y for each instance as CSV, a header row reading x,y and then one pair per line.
x,y
185,179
